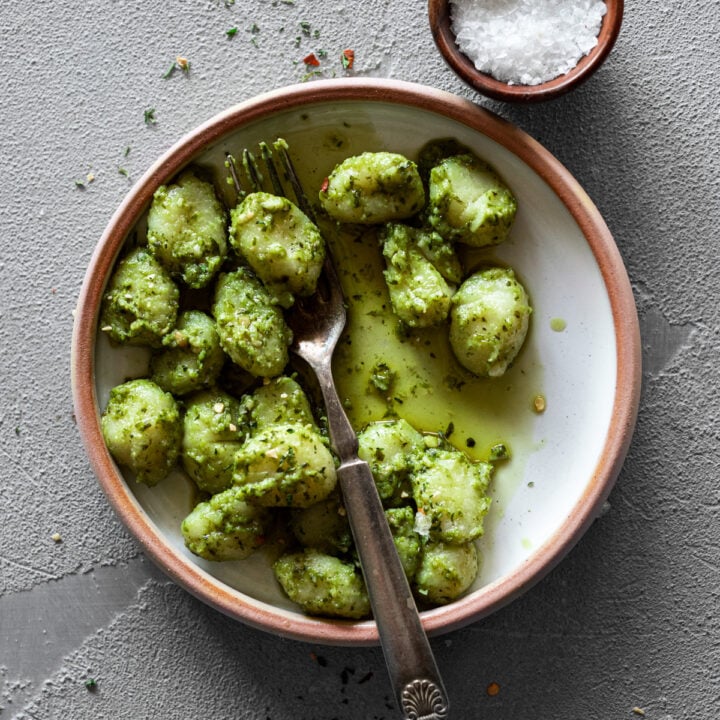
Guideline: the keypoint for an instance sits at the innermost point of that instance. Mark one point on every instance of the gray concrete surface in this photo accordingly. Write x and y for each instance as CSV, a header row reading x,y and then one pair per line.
x,y
626,625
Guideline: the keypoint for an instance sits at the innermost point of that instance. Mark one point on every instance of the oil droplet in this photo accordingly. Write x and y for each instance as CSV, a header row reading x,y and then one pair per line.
x,y
557,324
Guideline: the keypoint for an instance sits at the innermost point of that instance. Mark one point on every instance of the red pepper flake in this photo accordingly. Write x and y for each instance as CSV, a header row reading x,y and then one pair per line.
x,y
348,58
493,689
325,185
311,60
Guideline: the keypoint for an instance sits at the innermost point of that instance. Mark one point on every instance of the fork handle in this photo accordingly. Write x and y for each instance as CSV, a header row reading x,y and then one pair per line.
x,y
408,656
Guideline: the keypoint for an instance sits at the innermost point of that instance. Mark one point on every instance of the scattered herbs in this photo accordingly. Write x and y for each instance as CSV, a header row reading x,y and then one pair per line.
x,y
180,63
123,171
91,684
311,75
82,184
231,32
149,116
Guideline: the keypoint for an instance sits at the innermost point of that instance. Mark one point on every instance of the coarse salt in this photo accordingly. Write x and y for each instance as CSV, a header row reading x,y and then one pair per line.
x,y
526,42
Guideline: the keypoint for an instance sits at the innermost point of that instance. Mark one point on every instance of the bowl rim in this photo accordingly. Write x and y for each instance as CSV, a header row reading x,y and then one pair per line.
x,y
444,37
481,602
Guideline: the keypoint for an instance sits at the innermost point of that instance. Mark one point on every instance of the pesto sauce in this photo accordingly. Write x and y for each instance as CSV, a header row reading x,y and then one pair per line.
x,y
430,389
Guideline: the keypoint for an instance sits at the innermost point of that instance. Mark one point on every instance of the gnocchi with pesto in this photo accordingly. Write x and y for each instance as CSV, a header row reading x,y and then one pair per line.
x,y
223,406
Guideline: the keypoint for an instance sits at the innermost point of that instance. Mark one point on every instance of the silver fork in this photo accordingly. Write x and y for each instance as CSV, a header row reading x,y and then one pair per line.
x,y
317,323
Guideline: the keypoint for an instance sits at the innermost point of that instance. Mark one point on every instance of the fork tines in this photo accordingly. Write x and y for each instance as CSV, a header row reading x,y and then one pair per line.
x,y
255,178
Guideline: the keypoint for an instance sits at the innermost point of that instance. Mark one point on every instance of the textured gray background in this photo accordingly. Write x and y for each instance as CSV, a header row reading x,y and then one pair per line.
x,y
628,620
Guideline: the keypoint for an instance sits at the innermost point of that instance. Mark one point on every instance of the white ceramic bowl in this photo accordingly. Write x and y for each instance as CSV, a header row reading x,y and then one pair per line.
x,y
565,460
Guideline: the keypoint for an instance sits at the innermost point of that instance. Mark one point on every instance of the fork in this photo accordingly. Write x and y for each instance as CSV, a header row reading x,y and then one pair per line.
x,y
317,323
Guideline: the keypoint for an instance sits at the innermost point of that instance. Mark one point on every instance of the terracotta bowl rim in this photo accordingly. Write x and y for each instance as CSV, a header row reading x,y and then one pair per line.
x,y
479,603
440,26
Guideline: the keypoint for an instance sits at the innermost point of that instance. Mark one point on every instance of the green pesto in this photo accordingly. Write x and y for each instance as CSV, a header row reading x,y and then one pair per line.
x,y
489,321
225,527
192,357
140,304
407,542
446,571
373,187
323,584
419,294
435,151
469,202
323,526
499,451
186,230
252,329
277,401
382,377
390,449
142,429
211,439
451,495
280,243
285,465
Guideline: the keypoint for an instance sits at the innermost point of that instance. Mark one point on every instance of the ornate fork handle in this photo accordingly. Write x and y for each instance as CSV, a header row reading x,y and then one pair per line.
x,y
408,656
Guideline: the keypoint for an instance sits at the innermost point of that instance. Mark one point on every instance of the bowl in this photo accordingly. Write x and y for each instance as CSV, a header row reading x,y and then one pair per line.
x,y
582,354
439,12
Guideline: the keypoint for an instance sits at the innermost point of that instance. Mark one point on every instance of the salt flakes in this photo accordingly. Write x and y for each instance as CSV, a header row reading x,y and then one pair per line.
x,y
526,42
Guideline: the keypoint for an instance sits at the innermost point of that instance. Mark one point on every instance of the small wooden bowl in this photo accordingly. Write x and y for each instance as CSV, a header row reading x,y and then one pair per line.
x,y
440,24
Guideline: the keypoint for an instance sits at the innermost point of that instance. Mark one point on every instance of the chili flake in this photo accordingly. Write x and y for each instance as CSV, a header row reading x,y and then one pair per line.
x,y
493,689
348,58
311,60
